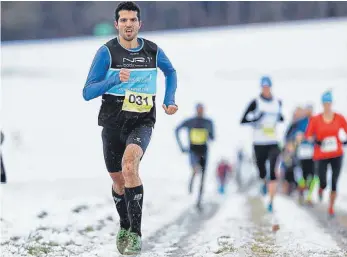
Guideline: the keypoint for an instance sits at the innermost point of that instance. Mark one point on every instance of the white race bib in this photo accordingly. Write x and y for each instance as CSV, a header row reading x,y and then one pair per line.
x,y
329,145
305,151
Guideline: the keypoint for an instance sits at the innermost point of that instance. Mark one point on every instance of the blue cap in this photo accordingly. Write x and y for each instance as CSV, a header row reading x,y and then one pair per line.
x,y
265,81
327,97
199,105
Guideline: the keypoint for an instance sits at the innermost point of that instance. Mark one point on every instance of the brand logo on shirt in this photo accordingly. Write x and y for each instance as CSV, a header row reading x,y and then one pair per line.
x,y
137,60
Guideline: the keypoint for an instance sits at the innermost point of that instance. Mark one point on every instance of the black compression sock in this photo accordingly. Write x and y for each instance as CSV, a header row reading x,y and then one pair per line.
x,y
119,200
134,201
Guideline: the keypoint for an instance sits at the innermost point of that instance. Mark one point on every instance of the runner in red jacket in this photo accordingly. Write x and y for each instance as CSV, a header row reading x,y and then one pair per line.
x,y
224,169
324,129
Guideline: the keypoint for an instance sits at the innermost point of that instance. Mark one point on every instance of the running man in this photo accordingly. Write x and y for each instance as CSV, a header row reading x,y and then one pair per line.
x,y
286,162
291,139
323,129
124,73
264,113
305,155
200,131
292,128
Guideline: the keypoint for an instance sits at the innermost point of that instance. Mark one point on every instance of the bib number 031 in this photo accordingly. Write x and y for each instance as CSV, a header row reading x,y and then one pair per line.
x,y
137,102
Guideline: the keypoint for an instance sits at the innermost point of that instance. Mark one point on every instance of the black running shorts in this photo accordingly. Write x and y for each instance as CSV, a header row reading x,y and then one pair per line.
x,y
115,141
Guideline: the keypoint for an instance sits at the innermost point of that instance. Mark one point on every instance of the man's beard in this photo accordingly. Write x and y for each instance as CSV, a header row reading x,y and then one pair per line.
x,y
129,38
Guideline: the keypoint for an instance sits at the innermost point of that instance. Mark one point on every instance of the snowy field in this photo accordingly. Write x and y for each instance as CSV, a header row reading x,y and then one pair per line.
x,y
58,199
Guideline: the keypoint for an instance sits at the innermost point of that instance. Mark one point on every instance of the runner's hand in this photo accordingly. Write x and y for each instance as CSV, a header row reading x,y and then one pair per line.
x,y
184,150
124,75
299,137
171,109
317,142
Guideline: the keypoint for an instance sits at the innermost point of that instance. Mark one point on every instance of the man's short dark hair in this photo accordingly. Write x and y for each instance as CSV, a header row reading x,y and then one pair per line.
x,y
127,6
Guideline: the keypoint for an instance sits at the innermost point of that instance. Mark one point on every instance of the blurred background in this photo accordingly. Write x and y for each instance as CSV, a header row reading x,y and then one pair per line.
x,y
57,198
39,20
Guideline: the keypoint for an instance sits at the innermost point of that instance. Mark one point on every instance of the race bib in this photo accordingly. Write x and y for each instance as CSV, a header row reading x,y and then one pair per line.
x,y
305,152
198,136
329,145
269,131
137,102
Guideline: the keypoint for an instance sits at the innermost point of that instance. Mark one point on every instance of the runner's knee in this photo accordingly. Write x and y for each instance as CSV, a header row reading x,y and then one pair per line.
x,y
129,167
262,171
322,183
334,180
272,175
118,182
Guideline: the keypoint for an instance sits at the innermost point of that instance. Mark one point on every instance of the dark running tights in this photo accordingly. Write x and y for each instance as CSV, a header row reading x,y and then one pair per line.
x,y
264,153
322,168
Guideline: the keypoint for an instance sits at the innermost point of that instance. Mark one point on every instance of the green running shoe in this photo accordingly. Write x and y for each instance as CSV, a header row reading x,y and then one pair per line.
x,y
134,244
122,239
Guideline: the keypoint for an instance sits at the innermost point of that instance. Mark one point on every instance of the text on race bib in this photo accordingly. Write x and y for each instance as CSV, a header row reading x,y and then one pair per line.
x,y
198,136
137,102
329,145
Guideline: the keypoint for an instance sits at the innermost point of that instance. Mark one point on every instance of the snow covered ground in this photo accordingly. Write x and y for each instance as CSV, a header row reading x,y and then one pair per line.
x,y
58,199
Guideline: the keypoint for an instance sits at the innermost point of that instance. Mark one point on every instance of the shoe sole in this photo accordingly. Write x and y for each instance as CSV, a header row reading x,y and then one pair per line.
x,y
121,249
132,253
122,246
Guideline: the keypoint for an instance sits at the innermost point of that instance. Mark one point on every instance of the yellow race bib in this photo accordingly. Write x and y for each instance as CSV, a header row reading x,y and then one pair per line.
x,y
269,130
198,136
137,102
